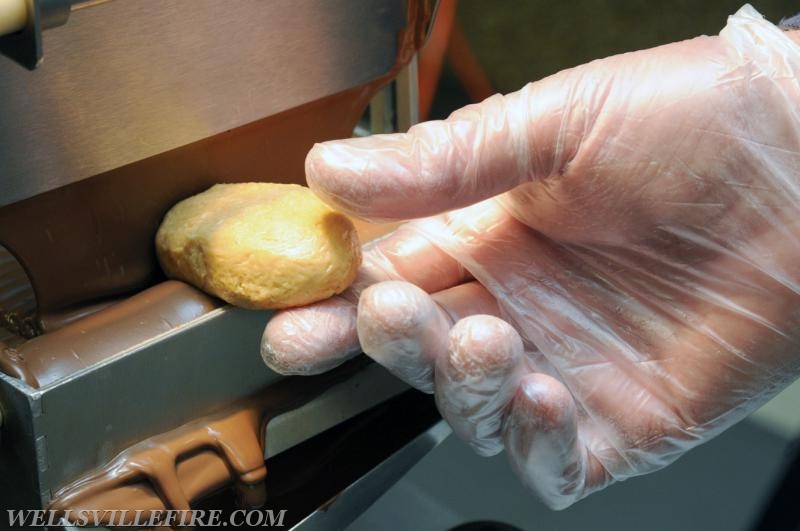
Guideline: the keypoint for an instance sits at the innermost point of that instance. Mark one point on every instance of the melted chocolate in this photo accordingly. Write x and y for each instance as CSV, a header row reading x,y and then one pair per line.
x,y
312,476
92,339
171,470
93,240
80,341
168,471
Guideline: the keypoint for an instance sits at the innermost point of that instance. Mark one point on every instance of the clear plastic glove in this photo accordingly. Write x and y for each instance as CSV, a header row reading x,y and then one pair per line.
x,y
617,278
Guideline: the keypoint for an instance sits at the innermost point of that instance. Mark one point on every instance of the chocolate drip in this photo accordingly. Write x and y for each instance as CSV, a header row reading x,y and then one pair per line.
x,y
168,471
172,470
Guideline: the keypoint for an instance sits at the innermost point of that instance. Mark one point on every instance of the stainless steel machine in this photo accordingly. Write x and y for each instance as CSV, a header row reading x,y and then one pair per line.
x,y
111,111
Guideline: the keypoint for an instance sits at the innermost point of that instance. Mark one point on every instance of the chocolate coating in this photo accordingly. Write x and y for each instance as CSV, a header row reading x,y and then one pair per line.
x,y
92,339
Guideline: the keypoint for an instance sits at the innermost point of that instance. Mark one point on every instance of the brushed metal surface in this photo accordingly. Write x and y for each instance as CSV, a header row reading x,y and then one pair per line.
x,y
127,80
157,386
364,390
358,497
51,436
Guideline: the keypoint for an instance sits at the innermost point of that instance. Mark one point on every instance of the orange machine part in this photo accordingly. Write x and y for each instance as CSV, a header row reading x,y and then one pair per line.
x,y
448,42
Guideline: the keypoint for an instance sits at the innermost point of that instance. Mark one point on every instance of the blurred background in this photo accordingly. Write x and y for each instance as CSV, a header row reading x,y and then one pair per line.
x,y
729,483
517,41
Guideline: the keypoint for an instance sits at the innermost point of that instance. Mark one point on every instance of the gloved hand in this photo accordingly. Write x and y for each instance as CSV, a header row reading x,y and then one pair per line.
x,y
632,291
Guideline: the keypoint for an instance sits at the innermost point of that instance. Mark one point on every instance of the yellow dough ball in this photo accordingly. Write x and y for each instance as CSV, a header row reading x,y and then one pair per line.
x,y
259,245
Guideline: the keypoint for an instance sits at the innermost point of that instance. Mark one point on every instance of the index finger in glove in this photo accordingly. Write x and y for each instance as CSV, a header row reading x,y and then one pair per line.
x,y
478,152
